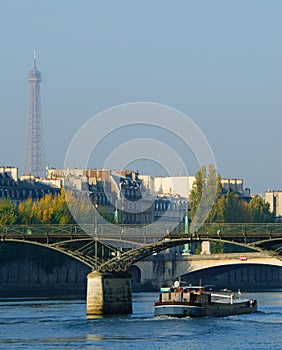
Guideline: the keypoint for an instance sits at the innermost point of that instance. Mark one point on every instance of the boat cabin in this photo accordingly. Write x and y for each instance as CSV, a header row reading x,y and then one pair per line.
x,y
185,294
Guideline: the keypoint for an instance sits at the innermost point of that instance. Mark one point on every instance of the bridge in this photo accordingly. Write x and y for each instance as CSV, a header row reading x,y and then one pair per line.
x,y
248,271
114,248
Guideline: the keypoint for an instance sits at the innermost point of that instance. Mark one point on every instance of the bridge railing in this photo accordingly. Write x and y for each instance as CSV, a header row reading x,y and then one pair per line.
x,y
40,229
134,233
246,228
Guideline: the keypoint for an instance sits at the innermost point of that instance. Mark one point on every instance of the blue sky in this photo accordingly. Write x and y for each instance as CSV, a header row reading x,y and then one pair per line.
x,y
219,62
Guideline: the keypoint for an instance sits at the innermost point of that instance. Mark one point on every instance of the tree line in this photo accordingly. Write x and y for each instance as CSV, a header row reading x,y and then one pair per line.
x,y
49,209
228,207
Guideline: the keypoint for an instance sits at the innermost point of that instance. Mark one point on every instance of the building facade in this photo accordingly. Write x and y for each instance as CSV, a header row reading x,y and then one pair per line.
x,y
180,185
19,190
274,198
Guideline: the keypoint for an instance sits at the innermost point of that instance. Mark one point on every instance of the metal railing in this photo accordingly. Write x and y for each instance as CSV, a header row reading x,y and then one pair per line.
x,y
163,229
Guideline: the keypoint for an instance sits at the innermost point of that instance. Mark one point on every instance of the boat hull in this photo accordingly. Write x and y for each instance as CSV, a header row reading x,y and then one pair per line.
x,y
175,310
213,309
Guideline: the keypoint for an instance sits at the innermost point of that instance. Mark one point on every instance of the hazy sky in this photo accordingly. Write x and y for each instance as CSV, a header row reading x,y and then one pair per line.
x,y
219,62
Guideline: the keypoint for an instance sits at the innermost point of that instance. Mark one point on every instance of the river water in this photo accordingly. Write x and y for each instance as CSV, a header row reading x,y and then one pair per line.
x,y
62,324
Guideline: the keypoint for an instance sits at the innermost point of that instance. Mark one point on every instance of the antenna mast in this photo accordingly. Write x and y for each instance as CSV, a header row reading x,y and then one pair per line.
x,y
34,58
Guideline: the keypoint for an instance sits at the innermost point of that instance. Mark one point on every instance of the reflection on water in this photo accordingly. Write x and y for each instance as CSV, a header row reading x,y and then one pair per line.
x,y
89,317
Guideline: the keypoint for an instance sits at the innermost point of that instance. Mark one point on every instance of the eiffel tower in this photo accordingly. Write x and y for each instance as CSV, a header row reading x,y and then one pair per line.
x,y
34,152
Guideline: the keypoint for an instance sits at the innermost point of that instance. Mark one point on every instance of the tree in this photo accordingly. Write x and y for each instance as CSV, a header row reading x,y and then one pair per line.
x,y
53,209
8,212
25,212
245,211
197,191
231,208
214,189
260,210
61,214
206,189
207,196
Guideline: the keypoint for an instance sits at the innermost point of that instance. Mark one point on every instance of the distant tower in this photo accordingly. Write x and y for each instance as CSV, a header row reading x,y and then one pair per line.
x,y
35,152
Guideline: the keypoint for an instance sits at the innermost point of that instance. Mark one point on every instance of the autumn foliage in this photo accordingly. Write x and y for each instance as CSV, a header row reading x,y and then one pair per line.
x,y
48,210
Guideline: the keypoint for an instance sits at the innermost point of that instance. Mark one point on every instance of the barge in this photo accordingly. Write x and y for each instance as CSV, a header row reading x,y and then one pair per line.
x,y
196,301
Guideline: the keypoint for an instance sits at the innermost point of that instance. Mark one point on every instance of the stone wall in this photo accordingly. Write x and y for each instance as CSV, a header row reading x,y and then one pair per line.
x,y
27,270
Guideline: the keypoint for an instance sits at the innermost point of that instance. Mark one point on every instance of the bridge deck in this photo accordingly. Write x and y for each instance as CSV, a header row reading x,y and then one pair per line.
x,y
134,242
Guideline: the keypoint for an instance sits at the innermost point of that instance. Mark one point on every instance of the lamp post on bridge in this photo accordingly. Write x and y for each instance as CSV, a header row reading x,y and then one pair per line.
x,y
186,230
116,214
95,233
96,218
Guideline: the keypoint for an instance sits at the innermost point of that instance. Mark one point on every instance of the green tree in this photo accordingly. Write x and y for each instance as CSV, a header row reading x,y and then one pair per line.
x,y
197,191
260,210
207,193
8,212
205,190
107,216
214,190
245,211
231,208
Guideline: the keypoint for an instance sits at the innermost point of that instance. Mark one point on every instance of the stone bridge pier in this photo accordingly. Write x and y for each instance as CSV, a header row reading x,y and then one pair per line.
x,y
108,293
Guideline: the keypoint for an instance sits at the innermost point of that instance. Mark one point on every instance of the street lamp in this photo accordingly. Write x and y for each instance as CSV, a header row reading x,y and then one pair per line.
x,y
96,231
186,230
116,215
96,218
275,204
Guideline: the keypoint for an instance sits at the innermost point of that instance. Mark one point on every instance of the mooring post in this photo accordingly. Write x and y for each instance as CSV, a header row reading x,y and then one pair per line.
x,y
108,293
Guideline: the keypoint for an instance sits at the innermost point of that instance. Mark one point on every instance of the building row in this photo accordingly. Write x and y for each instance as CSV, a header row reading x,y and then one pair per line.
x,y
19,190
139,198
180,185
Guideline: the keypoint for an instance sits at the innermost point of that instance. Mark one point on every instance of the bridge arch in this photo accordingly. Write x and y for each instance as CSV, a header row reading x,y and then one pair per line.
x,y
135,273
56,248
34,270
246,277
132,256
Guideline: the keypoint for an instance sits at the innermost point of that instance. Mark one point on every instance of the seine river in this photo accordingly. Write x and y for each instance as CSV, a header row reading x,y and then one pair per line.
x,y
62,324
